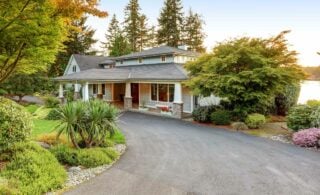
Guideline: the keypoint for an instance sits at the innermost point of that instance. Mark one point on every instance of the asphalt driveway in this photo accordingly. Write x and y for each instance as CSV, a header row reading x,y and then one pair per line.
x,y
167,156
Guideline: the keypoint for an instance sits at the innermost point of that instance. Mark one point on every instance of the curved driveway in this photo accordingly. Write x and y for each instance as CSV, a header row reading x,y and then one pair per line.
x,y
168,156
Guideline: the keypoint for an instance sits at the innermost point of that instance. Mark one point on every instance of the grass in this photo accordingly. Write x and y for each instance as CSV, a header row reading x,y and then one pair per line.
x,y
42,126
32,108
269,130
118,138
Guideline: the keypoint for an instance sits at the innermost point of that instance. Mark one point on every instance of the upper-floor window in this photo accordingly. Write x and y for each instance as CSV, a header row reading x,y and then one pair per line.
x,y
74,69
140,60
163,58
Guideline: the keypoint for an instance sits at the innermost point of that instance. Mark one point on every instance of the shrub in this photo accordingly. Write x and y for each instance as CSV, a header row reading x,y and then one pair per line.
x,y
33,169
88,157
202,113
239,126
53,114
299,117
315,117
285,100
51,139
90,121
15,123
221,117
313,103
254,121
307,138
51,102
118,137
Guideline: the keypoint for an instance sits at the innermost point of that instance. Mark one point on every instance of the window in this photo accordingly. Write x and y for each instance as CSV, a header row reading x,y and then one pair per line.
x,y
121,62
94,88
162,92
140,60
163,58
103,89
154,92
74,69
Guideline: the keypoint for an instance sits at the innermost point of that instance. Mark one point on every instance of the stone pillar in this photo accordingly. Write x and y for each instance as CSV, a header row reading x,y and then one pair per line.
x,y
99,95
177,109
128,97
76,94
86,92
61,97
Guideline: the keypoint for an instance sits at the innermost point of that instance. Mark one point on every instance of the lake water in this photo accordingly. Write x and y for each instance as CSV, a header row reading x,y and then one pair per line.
x,y
310,90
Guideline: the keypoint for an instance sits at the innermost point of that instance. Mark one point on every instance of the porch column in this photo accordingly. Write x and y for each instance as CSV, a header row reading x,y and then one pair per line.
x,y
177,106
99,95
128,97
76,95
86,92
61,97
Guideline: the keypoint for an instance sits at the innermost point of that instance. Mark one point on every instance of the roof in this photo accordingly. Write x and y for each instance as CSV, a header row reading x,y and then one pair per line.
x,y
86,62
162,50
165,72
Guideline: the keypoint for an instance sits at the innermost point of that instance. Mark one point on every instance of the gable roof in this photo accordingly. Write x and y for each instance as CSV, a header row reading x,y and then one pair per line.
x,y
86,62
164,72
156,51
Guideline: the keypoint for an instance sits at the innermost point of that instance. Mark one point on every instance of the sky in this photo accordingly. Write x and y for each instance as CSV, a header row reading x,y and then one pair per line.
x,y
226,19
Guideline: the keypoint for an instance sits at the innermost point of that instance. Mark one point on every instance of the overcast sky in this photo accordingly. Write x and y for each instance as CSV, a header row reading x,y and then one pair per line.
x,y
226,18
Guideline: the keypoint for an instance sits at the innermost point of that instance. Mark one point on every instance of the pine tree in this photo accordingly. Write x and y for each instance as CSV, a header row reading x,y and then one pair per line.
x,y
79,41
113,31
120,46
143,36
132,26
170,23
193,32
152,37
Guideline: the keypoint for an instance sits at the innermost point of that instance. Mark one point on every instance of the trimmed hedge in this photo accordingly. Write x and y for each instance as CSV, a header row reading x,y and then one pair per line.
x,y
221,117
91,157
33,169
255,121
15,123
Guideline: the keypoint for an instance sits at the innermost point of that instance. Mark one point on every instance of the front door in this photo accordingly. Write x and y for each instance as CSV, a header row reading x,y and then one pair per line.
x,y
135,92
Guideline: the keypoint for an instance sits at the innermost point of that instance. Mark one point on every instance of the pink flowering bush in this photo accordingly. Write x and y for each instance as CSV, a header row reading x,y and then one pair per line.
x,y
307,137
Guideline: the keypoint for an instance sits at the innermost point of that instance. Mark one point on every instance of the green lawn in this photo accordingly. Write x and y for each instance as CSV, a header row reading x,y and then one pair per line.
x,y
32,108
42,126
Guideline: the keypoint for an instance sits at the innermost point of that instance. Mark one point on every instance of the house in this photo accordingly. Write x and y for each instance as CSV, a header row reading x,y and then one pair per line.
x,y
151,78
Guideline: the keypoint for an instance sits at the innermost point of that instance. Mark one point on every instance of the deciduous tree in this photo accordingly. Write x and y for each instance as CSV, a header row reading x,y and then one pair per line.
x,y
248,72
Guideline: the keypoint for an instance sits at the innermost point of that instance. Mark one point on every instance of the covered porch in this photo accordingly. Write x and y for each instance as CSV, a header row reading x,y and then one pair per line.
x,y
162,97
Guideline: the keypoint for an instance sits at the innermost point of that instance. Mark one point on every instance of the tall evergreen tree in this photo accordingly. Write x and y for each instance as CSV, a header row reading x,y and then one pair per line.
x,y
79,41
152,37
143,36
193,32
132,26
113,31
120,46
170,23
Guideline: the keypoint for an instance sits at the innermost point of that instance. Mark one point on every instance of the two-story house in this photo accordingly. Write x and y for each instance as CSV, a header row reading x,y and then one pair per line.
x,y
152,78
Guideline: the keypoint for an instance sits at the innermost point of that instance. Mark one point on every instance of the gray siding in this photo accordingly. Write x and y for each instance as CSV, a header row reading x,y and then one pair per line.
x,y
145,61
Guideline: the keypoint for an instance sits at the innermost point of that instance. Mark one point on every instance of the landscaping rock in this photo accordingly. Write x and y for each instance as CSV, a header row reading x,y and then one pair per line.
x,y
76,175
44,145
281,138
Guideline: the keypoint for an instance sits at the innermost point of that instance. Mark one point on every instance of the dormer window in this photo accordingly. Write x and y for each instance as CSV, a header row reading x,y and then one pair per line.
x,y
74,68
140,60
163,58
